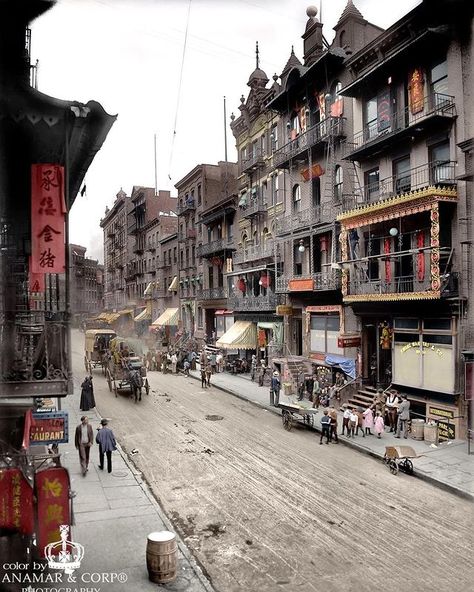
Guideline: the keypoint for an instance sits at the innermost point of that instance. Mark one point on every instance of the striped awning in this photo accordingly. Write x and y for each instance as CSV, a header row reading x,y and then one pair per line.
x,y
242,335
145,315
166,319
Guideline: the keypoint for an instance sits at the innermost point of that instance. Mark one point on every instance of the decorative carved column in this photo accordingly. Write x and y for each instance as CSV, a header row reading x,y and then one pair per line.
x,y
434,244
345,272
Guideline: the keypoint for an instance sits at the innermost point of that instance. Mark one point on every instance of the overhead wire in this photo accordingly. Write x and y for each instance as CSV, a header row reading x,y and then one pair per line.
x,y
179,90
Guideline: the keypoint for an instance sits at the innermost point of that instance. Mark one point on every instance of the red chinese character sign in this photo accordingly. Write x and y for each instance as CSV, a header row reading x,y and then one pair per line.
x,y
16,501
47,219
52,492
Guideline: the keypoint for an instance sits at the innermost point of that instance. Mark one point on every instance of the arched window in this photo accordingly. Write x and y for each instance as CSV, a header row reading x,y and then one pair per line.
x,y
296,198
338,183
342,39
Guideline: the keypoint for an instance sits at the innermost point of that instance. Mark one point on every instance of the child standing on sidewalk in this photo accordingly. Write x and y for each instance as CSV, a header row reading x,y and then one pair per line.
x,y
353,420
379,425
368,421
345,420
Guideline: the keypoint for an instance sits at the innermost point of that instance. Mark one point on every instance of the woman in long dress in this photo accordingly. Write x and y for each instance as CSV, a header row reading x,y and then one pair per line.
x,y
87,395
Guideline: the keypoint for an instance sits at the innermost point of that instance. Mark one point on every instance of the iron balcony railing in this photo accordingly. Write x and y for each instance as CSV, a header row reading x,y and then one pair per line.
x,y
254,160
399,285
189,233
212,293
320,281
254,252
437,173
34,345
254,303
382,129
321,132
213,247
187,206
254,207
323,213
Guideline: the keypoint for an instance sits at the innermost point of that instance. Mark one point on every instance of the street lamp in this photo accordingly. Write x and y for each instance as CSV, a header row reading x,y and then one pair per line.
x,y
301,247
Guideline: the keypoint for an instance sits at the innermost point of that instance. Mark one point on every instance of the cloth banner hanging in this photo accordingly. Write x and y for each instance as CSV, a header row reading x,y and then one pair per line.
x,y
52,492
312,173
36,281
47,219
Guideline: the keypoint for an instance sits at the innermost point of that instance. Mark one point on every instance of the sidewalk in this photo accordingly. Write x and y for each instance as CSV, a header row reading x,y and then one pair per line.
x,y
114,513
447,466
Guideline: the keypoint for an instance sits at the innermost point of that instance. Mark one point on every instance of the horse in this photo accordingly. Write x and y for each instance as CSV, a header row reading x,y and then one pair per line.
x,y
136,382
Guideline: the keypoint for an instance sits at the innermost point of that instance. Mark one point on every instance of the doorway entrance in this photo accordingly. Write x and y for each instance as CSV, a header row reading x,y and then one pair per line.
x,y
376,353
297,336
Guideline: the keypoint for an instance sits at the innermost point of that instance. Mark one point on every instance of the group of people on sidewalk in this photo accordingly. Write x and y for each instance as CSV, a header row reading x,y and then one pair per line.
x,y
84,440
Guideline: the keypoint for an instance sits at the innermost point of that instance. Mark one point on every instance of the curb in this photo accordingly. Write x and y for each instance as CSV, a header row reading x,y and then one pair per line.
x,y
422,476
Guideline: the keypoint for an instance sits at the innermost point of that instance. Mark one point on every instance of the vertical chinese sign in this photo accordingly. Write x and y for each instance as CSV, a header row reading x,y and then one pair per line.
x,y
416,91
48,211
52,492
16,501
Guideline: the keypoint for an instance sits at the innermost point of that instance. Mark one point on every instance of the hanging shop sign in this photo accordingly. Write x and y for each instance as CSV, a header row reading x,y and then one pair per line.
x,y
349,341
312,173
47,219
305,285
436,411
52,492
446,429
416,91
16,501
49,428
284,310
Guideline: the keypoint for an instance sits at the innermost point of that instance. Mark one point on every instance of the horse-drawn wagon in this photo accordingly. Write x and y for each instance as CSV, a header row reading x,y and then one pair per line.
x,y
97,343
125,371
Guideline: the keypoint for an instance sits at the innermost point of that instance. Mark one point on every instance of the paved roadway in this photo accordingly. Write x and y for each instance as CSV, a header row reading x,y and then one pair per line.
x,y
266,510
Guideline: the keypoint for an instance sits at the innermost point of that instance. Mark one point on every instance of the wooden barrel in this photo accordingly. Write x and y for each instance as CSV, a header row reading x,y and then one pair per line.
x,y
162,557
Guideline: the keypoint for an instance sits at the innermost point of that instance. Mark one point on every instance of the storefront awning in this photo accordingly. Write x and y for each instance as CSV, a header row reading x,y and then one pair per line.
x,y
149,289
242,335
173,287
347,365
166,319
145,315
276,328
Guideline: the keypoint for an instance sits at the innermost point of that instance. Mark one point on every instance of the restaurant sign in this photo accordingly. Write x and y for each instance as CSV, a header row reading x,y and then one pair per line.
x,y
348,341
49,428
446,429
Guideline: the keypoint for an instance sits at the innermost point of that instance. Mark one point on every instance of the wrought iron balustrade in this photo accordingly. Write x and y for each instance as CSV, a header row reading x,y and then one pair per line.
x,y
254,252
320,132
215,246
254,303
439,173
432,105
320,281
254,160
187,206
212,293
324,213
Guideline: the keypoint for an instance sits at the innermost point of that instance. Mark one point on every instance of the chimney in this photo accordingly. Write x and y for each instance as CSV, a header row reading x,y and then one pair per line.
x,y
313,37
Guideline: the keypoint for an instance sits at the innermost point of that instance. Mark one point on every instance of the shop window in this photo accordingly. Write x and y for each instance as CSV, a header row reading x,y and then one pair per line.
x,y
199,317
316,192
324,333
274,138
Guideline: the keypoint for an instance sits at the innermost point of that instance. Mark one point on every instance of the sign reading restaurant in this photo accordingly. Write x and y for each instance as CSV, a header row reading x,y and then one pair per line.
x,y
49,428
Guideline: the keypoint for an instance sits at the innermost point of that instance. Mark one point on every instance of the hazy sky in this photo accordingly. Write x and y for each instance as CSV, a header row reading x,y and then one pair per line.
x,y
127,54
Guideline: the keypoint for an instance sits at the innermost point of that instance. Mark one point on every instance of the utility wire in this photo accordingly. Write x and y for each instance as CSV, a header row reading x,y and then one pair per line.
x,y
179,89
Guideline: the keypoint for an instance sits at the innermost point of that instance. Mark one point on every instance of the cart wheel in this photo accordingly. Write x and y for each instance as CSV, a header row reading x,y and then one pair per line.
x,y
393,465
287,420
407,467
386,459
147,386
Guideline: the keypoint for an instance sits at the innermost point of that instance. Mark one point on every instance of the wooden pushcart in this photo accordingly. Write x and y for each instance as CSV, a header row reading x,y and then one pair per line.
x,y
398,457
125,372
97,343
291,414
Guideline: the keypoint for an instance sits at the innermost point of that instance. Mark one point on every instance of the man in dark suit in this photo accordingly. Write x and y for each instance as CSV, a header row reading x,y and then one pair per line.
x,y
106,440
83,440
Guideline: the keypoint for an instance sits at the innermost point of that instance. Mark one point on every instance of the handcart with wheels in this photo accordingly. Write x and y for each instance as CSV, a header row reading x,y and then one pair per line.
x,y
292,414
398,457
